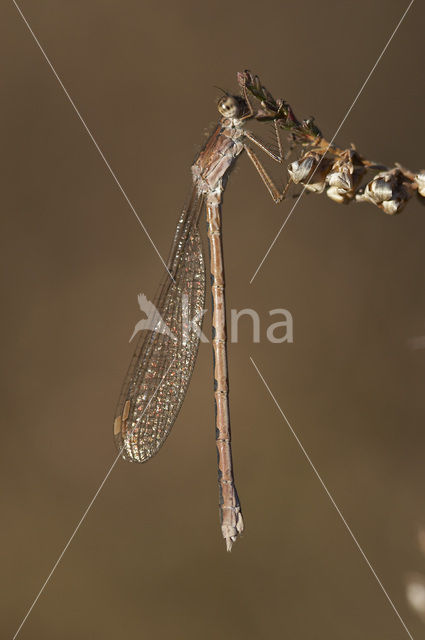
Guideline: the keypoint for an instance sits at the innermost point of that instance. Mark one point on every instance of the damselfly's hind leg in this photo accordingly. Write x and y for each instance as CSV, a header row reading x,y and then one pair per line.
x,y
277,195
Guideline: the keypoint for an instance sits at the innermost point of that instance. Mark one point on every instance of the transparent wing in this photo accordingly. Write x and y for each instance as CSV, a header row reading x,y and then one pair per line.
x,y
164,357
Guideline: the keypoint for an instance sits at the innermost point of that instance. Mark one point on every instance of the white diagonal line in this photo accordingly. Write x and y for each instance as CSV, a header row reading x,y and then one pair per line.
x,y
338,510
111,171
83,517
332,140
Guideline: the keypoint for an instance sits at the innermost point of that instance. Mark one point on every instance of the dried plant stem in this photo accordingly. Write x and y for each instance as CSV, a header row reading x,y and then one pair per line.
x,y
325,168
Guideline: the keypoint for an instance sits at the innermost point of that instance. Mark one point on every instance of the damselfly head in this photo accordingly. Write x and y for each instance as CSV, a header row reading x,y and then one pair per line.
x,y
231,106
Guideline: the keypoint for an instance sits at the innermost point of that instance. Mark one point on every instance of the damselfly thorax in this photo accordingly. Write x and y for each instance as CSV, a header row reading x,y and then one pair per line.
x,y
218,156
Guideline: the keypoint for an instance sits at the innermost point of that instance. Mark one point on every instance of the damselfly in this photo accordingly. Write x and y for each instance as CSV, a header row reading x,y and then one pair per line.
x,y
163,361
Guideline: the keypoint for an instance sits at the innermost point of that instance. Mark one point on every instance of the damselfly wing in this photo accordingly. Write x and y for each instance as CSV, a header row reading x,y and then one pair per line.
x,y
164,357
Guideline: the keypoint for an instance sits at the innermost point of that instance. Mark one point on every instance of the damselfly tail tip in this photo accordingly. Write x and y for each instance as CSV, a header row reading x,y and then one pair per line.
x,y
232,531
229,543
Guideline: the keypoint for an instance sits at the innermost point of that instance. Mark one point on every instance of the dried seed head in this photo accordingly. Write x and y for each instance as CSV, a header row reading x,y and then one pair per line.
x,y
335,194
341,172
379,190
317,186
344,177
415,593
309,126
420,181
341,179
301,169
393,206
311,166
388,191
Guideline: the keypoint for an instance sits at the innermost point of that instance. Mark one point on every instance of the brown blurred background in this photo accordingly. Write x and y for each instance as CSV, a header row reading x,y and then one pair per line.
x,y
149,561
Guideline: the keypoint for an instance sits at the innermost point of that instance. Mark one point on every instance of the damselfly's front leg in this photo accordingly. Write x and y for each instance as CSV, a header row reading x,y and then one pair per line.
x,y
277,157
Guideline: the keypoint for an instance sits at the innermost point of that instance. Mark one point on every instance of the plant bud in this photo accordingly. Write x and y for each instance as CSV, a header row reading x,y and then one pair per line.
x,y
379,190
340,175
393,206
420,181
340,179
344,178
388,191
301,170
415,594
313,166
335,194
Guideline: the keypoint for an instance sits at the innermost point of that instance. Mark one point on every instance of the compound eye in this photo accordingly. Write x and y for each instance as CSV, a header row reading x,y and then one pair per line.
x,y
228,107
